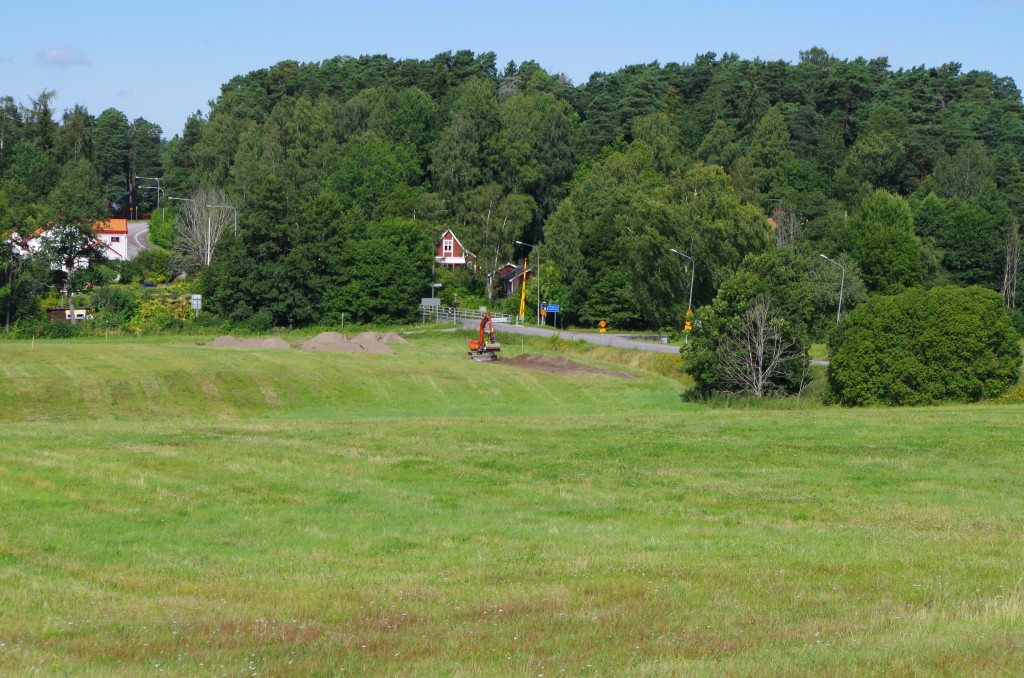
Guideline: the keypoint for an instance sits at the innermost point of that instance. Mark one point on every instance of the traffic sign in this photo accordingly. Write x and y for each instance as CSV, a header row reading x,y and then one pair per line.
x,y
552,308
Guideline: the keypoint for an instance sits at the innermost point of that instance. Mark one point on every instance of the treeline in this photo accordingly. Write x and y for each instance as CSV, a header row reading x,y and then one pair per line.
x,y
345,172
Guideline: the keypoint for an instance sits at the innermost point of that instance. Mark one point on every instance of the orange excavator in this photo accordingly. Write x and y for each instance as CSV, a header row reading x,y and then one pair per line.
x,y
486,347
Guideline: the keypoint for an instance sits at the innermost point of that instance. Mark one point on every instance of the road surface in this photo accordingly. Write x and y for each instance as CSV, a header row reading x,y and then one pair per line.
x,y
613,340
137,237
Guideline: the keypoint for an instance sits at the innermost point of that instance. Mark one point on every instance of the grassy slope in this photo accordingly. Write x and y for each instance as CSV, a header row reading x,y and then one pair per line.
x,y
172,507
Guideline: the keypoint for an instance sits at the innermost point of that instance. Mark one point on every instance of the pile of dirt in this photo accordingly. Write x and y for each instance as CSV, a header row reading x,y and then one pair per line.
x,y
370,343
271,342
559,365
390,338
366,342
330,341
225,341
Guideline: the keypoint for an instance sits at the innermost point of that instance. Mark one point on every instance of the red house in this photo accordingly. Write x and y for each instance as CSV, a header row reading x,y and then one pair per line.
x,y
450,252
510,277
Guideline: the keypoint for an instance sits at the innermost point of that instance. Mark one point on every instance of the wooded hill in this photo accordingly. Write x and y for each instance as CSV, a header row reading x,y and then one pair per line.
x,y
345,172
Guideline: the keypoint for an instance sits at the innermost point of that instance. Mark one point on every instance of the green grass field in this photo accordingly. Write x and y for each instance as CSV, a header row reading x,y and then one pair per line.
x,y
171,508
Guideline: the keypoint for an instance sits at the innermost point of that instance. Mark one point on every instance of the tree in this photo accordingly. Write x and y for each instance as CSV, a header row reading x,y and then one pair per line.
x,y
41,121
881,238
110,148
924,346
963,175
202,220
464,156
1011,268
753,359
75,137
78,198
144,154
753,338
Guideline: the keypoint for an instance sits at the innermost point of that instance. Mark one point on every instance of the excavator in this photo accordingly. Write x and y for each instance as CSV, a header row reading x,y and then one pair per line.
x,y
486,347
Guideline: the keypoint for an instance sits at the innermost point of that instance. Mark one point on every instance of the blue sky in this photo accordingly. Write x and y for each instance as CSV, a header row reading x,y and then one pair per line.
x,y
164,60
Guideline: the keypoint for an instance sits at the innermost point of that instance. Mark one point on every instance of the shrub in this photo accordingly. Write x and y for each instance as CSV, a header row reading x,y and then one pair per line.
x,y
158,314
922,347
115,305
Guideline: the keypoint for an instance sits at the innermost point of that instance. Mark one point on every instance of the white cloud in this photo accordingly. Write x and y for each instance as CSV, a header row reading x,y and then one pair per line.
x,y
63,57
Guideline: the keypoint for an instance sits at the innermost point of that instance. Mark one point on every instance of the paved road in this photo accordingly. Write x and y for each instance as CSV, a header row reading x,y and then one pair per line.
x,y
137,237
614,340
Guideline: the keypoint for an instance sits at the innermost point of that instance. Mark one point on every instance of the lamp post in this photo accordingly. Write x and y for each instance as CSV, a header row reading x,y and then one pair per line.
x,y
842,281
693,269
524,244
689,304
228,207
158,190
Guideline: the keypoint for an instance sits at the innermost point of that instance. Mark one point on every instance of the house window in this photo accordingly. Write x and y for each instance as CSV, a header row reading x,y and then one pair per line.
x,y
448,248
115,238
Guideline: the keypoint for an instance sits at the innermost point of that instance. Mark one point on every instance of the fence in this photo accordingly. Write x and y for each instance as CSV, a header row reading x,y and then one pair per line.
x,y
450,314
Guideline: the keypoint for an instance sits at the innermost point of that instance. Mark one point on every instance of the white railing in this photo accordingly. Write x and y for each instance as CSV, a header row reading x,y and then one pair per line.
x,y
456,315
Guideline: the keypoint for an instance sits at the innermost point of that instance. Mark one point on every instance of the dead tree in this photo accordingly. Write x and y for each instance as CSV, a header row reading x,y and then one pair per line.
x,y
754,357
1011,270
787,226
202,220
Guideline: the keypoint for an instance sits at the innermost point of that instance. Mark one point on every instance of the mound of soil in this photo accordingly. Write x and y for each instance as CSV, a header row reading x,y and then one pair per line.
x,y
370,343
559,365
327,338
270,342
225,340
339,346
332,341
390,338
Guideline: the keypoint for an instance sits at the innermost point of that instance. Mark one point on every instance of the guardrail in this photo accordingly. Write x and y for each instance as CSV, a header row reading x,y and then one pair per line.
x,y
456,315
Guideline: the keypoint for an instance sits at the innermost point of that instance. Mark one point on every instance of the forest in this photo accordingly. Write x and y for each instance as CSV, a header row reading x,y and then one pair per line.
x,y
341,175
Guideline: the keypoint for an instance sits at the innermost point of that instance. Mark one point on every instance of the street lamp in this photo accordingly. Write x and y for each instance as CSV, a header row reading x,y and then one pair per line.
x,y
228,207
158,189
693,269
842,281
524,244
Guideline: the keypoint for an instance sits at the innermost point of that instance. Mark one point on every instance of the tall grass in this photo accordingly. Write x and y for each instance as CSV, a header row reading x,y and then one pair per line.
x,y
171,508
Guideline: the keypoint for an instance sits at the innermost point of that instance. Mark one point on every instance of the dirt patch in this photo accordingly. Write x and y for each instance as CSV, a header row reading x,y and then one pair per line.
x,y
367,342
271,342
559,365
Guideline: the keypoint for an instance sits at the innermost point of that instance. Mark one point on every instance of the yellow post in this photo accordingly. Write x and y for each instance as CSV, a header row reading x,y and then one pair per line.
x,y
522,296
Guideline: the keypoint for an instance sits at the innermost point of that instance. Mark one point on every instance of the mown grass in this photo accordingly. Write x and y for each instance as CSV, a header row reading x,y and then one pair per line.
x,y
180,509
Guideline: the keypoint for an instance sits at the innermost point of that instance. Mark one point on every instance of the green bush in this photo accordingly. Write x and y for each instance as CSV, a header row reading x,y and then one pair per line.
x,y
59,330
922,347
115,305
